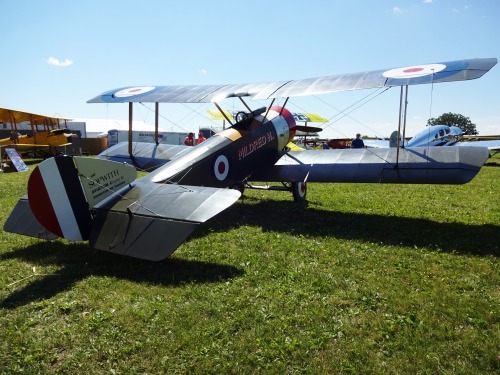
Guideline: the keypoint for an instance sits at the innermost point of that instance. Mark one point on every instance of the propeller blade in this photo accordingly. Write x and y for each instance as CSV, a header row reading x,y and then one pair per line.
x,y
308,129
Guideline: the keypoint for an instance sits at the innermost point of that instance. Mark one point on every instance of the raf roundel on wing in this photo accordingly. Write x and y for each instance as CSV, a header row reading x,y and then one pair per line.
x,y
133,91
414,71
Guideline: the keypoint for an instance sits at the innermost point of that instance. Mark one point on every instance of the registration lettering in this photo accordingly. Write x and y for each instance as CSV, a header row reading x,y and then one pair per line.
x,y
255,145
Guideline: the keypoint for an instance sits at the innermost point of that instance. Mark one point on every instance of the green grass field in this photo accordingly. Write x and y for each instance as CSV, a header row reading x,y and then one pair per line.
x,y
364,279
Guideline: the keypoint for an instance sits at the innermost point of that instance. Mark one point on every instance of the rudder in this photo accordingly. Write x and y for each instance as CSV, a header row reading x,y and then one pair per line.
x,y
63,189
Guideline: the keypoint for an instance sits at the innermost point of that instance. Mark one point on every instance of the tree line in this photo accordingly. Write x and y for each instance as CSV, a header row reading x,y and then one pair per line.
x,y
455,119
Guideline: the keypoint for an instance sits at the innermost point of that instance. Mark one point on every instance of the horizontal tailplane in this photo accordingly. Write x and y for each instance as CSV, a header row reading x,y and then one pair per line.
x,y
151,220
22,221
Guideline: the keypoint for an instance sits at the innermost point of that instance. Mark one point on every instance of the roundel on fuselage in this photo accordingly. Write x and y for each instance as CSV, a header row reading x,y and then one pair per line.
x,y
221,167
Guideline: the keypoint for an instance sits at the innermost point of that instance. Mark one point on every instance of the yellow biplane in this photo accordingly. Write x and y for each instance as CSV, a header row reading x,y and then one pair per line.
x,y
45,133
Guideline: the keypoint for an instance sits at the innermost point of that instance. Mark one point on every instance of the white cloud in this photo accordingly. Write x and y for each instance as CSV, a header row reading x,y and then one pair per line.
x,y
203,72
57,62
396,10
427,1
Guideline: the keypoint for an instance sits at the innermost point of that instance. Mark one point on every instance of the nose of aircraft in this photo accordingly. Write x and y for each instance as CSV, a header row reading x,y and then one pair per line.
x,y
290,120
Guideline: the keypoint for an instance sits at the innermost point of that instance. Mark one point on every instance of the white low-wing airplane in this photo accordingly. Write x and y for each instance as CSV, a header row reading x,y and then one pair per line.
x,y
100,200
435,135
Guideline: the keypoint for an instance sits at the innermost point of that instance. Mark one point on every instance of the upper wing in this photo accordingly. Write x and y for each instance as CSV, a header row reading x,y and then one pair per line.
x,y
459,70
13,116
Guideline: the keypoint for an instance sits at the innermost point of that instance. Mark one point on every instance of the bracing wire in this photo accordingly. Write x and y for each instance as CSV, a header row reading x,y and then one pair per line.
x,y
352,108
347,111
194,112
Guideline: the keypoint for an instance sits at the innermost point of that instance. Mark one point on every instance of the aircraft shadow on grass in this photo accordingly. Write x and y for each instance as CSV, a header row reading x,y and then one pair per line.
x,y
492,163
289,217
78,261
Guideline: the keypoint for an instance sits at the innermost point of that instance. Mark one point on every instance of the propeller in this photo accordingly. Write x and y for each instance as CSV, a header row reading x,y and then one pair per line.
x,y
308,129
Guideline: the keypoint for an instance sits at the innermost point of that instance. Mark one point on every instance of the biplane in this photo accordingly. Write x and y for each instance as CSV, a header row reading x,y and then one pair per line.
x,y
101,200
44,136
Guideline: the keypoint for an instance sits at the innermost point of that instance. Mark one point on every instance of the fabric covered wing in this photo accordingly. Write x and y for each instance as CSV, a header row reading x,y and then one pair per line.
x,y
376,143
146,156
459,70
493,145
434,165
151,220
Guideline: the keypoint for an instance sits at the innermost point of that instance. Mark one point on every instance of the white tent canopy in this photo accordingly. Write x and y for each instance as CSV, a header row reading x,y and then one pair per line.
x,y
96,128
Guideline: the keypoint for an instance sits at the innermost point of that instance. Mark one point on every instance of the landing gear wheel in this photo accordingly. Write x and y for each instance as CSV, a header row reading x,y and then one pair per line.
x,y
299,191
240,187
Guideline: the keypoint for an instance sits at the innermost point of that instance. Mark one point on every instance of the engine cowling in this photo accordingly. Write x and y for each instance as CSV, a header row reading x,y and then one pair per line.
x,y
284,124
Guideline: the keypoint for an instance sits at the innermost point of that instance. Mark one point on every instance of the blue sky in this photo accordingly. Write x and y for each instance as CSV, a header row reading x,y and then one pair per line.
x,y
59,54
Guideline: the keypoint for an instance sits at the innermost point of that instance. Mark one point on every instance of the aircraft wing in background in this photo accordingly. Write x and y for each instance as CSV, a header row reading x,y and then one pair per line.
x,y
491,145
146,156
437,135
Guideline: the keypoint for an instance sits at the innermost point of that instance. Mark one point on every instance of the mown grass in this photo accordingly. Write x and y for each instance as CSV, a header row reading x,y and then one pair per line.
x,y
363,279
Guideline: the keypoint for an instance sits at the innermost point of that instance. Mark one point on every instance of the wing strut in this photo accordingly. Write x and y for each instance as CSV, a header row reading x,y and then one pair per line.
x,y
14,127
284,105
402,115
404,121
269,107
223,114
33,129
157,106
245,104
130,116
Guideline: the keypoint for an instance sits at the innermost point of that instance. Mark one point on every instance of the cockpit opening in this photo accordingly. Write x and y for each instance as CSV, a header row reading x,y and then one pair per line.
x,y
244,119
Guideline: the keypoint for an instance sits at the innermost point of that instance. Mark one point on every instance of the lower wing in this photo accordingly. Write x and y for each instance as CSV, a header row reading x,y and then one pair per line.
x,y
434,165
145,156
